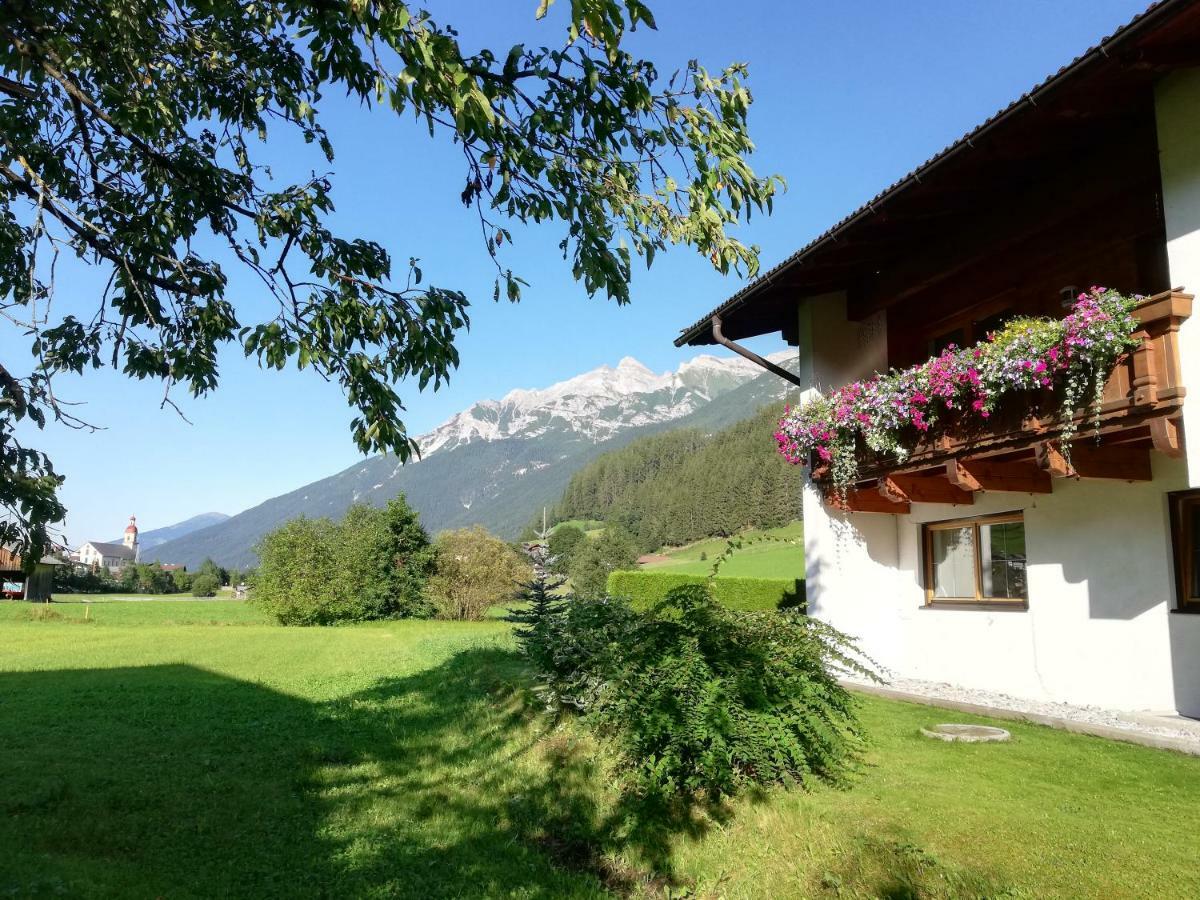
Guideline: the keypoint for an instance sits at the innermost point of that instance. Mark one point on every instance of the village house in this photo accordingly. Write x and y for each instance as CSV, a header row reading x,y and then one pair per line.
x,y
987,559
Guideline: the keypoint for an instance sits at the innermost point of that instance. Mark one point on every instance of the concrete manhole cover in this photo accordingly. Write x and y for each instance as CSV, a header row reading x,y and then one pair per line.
x,y
970,734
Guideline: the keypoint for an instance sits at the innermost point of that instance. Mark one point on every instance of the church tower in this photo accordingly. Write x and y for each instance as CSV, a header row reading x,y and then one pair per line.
x,y
131,536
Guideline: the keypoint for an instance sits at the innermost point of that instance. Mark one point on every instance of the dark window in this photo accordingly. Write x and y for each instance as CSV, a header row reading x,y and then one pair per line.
x,y
1185,535
956,338
985,326
976,560
971,333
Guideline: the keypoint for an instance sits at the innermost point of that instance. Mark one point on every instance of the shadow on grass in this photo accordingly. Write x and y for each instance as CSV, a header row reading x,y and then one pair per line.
x,y
796,598
175,781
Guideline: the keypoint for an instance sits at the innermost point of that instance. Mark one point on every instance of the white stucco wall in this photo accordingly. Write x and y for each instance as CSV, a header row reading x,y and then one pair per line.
x,y
1177,110
833,350
1098,629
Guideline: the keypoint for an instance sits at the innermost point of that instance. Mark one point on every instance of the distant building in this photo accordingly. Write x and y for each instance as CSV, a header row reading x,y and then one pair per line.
x,y
114,557
15,584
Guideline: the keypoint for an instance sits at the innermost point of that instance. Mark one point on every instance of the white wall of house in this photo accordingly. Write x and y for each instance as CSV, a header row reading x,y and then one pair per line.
x,y
1177,111
1098,629
834,350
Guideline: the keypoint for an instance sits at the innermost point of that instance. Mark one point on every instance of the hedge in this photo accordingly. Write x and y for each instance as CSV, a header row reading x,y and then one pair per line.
x,y
643,587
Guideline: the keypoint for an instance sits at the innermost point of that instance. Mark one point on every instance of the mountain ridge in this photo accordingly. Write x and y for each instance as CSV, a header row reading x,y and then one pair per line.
x,y
497,461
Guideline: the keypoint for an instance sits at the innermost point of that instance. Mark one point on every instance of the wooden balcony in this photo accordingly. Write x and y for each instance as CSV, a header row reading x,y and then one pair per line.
x,y
1017,450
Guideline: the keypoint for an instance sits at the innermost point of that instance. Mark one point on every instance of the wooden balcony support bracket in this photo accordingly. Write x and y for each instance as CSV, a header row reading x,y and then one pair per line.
x,y
1167,436
900,488
1118,463
986,475
1051,461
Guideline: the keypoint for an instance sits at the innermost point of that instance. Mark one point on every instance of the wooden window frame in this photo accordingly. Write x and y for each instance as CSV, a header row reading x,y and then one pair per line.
x,y
1181,543
970,323
978,601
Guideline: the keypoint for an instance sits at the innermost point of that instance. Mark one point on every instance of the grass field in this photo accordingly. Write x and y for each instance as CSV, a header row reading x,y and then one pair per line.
x,y
142,610
765,559
144,757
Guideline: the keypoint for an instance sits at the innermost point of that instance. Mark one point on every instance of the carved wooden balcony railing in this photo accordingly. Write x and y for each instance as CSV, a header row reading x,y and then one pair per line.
x,y
1017,450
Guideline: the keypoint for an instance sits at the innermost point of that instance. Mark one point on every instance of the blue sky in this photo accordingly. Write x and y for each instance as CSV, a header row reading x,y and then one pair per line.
x,y
849,96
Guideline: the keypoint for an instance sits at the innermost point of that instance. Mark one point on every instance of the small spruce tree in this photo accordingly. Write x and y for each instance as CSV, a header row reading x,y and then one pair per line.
x,y
542,600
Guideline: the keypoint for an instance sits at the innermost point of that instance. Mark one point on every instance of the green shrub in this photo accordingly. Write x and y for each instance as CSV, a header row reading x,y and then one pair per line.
x,y
564,541
702,699
645,587
373,564
475,570
205,585
593,561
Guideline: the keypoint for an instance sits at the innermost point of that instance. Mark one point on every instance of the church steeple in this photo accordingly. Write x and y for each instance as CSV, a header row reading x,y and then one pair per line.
x,y
131,535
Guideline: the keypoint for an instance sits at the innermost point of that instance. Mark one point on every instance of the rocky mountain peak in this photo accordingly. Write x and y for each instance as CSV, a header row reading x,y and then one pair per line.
x,y
596,404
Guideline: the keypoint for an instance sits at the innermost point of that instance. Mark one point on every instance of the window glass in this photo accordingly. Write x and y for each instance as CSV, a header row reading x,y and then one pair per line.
x,y
1193,532
992,323
953,551
1002,560
957,337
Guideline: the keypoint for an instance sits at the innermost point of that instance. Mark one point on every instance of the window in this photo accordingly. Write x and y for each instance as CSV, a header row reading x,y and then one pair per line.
x,y
1185,535
968,333
979,560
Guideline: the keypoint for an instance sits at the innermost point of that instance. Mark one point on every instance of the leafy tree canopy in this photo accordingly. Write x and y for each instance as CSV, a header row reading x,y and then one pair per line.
x,y
475,570
594,560
373,564
132,136
564,540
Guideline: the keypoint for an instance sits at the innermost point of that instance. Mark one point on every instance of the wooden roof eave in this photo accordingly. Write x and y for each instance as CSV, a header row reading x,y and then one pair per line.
x,y
1120,67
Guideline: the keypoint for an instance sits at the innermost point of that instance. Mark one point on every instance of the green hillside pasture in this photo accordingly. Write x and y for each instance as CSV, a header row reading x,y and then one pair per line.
x,y
409,759
590,527
764,559
645,587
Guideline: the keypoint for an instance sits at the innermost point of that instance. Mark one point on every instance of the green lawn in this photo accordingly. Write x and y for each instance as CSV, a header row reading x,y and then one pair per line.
x,y
179,609
764,559
143,757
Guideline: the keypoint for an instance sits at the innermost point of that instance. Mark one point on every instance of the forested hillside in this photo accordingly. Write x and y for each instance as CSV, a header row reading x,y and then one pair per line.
x,y
684,485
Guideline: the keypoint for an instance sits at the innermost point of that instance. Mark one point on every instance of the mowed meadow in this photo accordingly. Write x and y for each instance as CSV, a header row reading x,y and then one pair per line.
x,y
191,749
762,553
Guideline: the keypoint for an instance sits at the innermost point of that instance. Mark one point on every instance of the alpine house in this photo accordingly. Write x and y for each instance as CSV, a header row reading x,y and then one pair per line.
x,y
996,354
